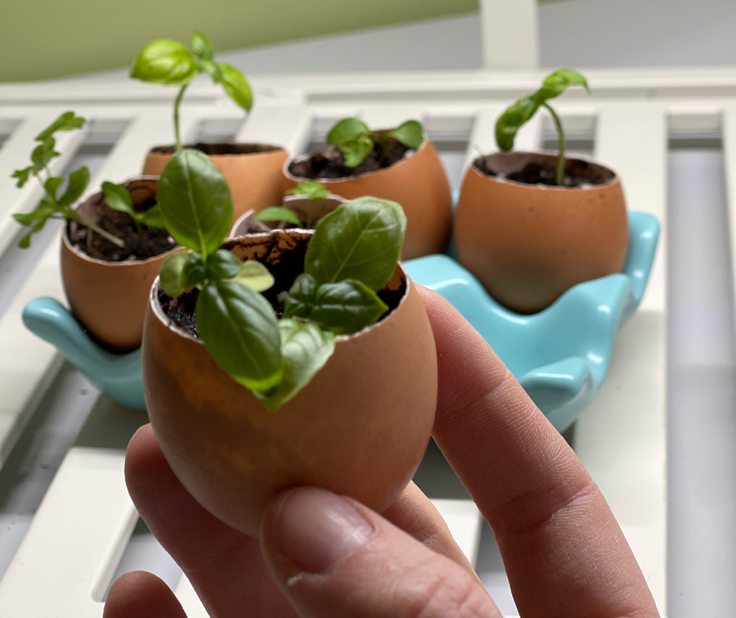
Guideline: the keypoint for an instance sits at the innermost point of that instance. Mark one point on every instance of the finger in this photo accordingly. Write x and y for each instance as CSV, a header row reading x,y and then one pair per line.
x,y
415,514
141,595
562,548
225,567
334,558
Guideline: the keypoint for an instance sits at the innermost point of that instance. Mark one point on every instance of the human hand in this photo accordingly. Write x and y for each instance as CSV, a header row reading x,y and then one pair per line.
x,y
326,556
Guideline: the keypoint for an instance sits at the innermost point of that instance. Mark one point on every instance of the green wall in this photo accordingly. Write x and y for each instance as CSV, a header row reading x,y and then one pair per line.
x,y
41,39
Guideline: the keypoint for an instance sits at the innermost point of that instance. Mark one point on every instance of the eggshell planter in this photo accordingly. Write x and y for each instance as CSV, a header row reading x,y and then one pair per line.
x,y
109,299
418,182
359,428
298,204
254,177
528,244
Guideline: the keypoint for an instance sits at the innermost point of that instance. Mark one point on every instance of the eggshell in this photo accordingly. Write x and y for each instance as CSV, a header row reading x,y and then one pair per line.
x,y
110,298
359,428
255,178
296,203
417,182
528,244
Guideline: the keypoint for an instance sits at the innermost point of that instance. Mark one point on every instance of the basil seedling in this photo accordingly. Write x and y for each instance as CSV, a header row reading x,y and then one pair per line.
x,y
524,109
356,140
118,198
170,63
54,206
312,190
351,255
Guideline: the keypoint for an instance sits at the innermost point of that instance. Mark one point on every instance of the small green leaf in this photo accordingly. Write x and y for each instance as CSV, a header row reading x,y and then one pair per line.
x,y
196,202
25,241
23,175
410,133
559,81
68,121
240,330
347,128
165,62
202,46
212,68
171,274
236,86
509,123
360,240
35,220
193,271
222,264
355,150
311,189
305,348
153,217
43,154
255,275
78,181
342,308
52,185
118,198
279,213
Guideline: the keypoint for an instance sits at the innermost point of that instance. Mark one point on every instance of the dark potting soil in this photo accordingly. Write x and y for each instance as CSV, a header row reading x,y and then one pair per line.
x,y
222,148
181,310
331,163
149,243
578,173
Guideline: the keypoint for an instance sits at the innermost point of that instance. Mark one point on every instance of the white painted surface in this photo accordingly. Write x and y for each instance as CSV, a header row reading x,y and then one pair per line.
x,y
510,34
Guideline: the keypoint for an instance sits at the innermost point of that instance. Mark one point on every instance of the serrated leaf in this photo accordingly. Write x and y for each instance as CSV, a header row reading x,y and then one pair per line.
x,y
342,308
43,154
410,133
279,213
165,62
68,121
118,198
360,240
202,46
196,201
236,86
255,275
240,330
23,176
305,348
311,189
347,128
171,274
355,150
78,181
52,185
153,217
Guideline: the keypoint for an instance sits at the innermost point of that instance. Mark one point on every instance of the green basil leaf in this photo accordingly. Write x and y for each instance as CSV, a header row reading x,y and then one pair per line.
x,y
223,265
193,271
355,150
347,128
255,275
342,308
153,217
410,133
559,81
118,198
212,68
236,86
196,202
78,181
165,62
171,273
312,189
279,213
23,176
240,330
202,46
52,185
360,240
509,123
305,348
68,121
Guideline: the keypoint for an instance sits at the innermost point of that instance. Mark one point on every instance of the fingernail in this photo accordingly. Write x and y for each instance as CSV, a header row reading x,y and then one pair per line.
x,y
317,529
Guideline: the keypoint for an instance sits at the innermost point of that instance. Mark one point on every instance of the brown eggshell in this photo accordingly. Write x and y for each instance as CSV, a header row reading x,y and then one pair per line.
x,y
528,244
359,428
255,178
109,298
419,183
296,203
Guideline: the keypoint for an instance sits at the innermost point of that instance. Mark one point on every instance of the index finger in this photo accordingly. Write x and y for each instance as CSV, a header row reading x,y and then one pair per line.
x,y
563,551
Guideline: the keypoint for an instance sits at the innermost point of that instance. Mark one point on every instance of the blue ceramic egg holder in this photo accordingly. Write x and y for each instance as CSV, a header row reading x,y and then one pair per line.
x,y
560,355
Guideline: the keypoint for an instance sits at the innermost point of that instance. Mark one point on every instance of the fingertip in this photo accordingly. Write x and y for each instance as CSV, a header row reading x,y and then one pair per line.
x,y
141,595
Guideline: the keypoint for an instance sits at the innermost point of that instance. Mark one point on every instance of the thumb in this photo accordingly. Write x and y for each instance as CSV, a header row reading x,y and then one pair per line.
x,y
333,557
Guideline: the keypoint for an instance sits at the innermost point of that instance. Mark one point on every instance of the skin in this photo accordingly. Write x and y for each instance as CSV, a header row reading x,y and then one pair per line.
x,y
564,553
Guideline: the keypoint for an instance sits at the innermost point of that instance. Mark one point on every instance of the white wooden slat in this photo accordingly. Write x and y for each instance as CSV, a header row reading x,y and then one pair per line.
x,y
27,362
280,125
729,157
510,34
632,139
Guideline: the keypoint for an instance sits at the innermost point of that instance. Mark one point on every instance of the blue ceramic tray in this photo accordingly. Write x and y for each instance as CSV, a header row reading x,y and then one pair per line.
x,y
560,355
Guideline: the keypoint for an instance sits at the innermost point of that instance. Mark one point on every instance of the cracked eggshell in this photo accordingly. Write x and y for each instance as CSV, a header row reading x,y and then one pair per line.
x,y
528,244
297,204
359,428
110,298
418,182
254,177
